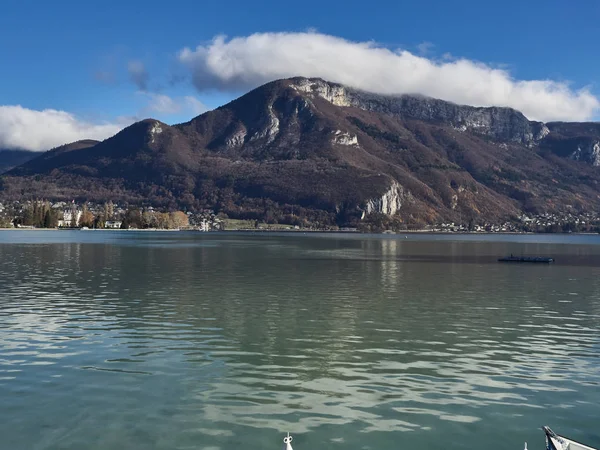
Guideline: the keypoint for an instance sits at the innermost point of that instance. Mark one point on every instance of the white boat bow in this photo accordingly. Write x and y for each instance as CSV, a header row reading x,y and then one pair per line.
x,y
556,442
288,442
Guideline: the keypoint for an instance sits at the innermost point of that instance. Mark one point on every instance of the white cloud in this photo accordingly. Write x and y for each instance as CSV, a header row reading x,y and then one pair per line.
x,y
163,104
29,129
246,62
138,74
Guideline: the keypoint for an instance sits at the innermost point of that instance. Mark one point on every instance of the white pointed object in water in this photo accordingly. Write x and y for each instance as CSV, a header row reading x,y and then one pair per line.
x,y
288,442
525,446
556,442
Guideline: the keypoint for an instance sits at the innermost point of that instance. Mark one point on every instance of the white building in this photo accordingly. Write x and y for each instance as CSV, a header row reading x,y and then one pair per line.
x,y
70,218
112,224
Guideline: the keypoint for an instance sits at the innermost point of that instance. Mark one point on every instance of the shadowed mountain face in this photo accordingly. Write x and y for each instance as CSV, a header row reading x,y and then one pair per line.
x,y
55,157
14,158
333,154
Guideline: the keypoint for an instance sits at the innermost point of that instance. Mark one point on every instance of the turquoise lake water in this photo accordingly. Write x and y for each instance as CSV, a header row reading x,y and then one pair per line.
x,y
176,340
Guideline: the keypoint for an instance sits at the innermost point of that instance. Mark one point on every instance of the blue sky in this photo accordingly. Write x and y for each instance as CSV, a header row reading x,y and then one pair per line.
x,y
108,63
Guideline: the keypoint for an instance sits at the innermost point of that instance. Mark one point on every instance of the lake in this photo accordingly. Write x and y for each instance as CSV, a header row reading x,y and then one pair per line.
x,y
183,340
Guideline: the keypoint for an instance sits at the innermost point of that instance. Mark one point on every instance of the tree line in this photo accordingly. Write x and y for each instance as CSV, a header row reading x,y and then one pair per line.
x,y
40,214
139,218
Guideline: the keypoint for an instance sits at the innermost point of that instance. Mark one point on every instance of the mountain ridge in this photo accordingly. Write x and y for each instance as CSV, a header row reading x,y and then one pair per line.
x,y
334,154
11,158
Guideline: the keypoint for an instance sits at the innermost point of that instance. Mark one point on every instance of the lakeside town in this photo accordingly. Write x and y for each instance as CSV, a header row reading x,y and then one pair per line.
x,y
45,214
70,215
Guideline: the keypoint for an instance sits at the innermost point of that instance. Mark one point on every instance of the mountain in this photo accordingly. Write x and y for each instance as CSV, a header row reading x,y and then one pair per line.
x,y
332,154
14,158
55,157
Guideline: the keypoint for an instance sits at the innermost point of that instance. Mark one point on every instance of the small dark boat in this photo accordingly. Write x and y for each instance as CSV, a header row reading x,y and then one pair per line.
x,y
526,259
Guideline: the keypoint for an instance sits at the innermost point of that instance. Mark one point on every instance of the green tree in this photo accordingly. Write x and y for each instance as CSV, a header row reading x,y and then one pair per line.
x,y
47,219
27,215
133,218
36,215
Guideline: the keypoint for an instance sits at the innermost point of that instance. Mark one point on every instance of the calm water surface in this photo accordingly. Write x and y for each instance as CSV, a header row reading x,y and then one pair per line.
x,y
126,340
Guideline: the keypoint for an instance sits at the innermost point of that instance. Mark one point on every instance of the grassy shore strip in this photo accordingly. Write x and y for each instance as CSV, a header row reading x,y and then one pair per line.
x,y
241,224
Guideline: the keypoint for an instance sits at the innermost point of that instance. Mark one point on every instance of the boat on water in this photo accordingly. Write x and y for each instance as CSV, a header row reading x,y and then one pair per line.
x,y
526,259
556,442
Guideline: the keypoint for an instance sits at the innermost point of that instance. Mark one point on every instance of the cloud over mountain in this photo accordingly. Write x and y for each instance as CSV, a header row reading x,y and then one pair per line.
x,y
246,62
28,129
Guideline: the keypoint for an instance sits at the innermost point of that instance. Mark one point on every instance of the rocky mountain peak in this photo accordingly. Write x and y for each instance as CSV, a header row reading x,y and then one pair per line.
x,y
335,93
500,123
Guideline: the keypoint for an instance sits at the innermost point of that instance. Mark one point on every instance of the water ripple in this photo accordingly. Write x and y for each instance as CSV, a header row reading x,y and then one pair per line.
x,y
341,341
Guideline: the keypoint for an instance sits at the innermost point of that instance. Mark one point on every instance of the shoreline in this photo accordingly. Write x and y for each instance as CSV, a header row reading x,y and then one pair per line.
x,y
90,229
304,231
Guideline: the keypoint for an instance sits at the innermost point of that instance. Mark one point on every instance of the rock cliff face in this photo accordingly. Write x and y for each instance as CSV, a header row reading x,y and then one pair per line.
x,y
588,152
504,124
344,138
390,202
309,150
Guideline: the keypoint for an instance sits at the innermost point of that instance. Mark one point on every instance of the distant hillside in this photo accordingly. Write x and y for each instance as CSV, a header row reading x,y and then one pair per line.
x,y
14,158
55,156
326,153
